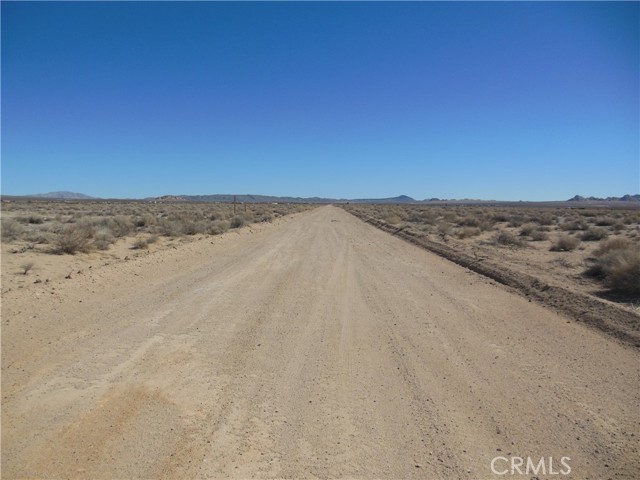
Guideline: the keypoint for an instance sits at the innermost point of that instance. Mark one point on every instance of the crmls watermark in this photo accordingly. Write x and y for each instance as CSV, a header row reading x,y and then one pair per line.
x,y
530,466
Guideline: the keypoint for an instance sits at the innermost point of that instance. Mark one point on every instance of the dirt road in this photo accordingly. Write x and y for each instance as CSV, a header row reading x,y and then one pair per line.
x,y
317,347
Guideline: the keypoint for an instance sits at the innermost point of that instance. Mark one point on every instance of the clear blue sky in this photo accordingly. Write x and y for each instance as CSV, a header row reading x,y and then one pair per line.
x,y
480,100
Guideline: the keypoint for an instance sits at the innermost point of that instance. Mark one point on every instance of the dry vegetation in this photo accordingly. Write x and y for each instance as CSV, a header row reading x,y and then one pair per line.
x,y
593,250
39,233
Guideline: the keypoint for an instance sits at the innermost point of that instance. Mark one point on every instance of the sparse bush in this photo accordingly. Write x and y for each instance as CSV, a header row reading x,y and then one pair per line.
x,y
237,221
444,228
565,243
500,217
573,225
604,221
467,232
120,225
11,229
618,265
539,235
170,228
38,237
545,219
73,239
26,267
103,239
622,272
139,244
618,243
193,228
390,218
218,227
508,239
32,219
594,234
517,220
527,229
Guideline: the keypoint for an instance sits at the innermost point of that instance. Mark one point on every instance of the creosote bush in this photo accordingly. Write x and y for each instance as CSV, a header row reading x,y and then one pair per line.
x,y
11,229
617,264
594,234
565,243
73,239
508,239
237,221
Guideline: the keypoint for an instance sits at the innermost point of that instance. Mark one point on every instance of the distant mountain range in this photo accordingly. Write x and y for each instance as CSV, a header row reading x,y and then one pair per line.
x,y
62,196
624,198
272,199
228,198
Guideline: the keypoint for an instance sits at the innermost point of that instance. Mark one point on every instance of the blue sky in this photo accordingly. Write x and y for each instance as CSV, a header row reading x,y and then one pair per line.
x,y
499,101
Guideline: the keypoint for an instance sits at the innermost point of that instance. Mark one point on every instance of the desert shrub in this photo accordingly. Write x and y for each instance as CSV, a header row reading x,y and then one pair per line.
x,y
618,226
467,232
32,219
193,228
622,271
120,225
604,221
507,239
469,221
618,243
619,267
103,239
218,227
140,243
237,222
444,228
517,220
539,235
500,217
594,234
565,243
73,239
392,218
544,219
146,220
26,267
38,237
11,229
573,225
265,218
170,228
527,229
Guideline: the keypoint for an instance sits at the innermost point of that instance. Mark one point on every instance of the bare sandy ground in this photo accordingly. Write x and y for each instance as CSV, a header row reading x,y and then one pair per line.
x,y
319,347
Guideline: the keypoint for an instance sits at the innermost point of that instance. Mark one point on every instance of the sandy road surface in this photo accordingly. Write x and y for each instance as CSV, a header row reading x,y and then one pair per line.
x,y
318,347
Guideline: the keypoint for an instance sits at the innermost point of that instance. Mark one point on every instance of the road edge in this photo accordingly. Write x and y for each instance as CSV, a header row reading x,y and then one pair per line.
x,y
616,322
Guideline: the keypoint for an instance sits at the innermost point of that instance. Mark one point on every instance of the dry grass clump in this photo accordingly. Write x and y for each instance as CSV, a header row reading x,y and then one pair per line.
x,y
574,225
594,234
140,244
33,219
103,239
468,232
73,239
539,236
237,222
617,263
565,243
26,267
507,239
10,229
392,219
527,229
218,227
